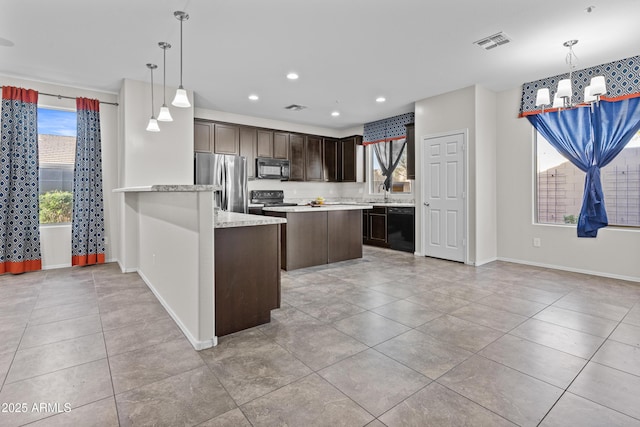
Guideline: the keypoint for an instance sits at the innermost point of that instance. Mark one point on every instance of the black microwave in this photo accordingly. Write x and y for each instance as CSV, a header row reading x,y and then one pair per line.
x,y
272,169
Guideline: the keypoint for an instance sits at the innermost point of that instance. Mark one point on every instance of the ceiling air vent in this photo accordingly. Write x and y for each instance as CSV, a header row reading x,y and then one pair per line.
x,y
295,107
493,41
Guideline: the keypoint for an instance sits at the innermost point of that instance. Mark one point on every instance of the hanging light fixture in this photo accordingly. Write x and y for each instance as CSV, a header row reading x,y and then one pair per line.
x,y
153,123
164,115
563,97
181,99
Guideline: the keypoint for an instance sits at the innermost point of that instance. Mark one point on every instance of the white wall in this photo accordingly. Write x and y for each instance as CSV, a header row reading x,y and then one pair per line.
x,y
149,158
485,177
56,240
615,252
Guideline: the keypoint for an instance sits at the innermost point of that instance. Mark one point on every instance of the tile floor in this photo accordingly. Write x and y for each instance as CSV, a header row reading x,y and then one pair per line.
x,y
390,339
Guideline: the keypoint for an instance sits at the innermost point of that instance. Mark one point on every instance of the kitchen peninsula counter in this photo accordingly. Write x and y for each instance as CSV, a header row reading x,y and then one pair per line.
x,y
224,219
319,235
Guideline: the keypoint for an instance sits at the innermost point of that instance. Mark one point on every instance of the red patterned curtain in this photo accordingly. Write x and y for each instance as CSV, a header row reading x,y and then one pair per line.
x,y
19,182
87,225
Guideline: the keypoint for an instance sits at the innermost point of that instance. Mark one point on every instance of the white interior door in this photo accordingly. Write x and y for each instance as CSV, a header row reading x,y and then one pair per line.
x,y
443,197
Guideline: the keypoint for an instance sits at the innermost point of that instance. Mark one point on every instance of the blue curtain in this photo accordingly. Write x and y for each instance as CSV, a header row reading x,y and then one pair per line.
x,y
591,138
19,182
87,241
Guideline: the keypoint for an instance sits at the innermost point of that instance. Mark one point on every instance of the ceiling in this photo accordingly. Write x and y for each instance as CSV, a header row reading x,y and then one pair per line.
x,y
347,52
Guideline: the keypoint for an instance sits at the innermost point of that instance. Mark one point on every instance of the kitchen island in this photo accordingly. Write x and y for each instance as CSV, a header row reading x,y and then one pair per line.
x,y
317,235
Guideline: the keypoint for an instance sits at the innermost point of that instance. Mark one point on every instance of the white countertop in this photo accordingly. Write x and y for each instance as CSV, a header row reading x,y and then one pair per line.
x,y
321,208
225,219
168,188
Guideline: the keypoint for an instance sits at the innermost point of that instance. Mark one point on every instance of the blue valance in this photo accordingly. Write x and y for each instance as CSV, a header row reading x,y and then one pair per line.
x,y
389,129
622,77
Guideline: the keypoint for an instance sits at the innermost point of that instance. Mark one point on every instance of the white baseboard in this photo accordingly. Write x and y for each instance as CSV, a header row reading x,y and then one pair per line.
x,y
53,267
197,344
126,270
573,270
485,261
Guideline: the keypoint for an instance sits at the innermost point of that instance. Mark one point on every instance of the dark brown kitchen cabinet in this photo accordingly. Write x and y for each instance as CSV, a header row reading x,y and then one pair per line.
x,y
296,157
280,145
313,158
265,143
331,148
247,276
226,139
344,235
349,158
248,138
375,226
202,136
411,151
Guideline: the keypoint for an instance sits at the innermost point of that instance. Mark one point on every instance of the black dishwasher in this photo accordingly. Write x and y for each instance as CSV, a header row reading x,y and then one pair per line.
x,y
400,228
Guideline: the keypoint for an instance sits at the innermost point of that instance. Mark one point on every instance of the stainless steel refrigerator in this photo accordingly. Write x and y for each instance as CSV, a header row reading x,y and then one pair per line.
x,y
230,173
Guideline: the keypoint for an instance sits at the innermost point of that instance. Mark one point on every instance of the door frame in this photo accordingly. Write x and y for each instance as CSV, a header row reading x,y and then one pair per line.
x,y
465,180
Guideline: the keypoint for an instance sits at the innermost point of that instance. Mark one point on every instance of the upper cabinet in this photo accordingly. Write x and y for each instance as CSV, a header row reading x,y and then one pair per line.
x,y
296,157
265,143
411,151
313,158
280,145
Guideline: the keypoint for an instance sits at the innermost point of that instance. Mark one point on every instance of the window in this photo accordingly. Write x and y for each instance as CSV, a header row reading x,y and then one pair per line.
x,y
56,152
560,186
399,182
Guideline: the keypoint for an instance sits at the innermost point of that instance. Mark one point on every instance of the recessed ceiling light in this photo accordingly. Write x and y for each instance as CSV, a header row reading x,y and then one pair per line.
x,y
254,97
335,113
381,99
292,76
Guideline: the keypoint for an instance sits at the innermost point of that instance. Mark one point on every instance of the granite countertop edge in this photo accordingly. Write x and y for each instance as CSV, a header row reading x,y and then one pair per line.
x,y
321,208
168,188
233,219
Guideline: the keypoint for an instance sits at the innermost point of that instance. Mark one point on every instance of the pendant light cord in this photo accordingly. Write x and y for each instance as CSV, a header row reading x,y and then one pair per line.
x,y
152,102
181,21
164,77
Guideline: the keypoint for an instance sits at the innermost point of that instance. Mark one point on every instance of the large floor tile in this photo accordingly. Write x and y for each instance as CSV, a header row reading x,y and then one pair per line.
x,y
189,398
572,410
102,413
619,356
438,301
627,333
232,418
461,333
137,368
308,402
579,321
436,405
141,334
463,291
318,346
512,304
609,387
62,330
592,306
63,312
329,309
490,317
76,386
250,365
5,363
48,358
533,294
633,317
423,353
370,328
552,366
367,298
374,381
133,313
564,339
407,313
517,397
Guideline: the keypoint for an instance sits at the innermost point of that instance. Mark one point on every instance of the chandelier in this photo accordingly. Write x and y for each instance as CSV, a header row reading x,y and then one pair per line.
x,y
563,97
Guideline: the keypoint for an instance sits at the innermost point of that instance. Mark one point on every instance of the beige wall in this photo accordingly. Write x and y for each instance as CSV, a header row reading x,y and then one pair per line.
x,y
613,253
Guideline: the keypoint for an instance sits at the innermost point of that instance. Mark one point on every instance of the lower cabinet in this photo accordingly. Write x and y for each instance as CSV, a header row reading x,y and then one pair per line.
x,y
389,227
247,276
375,227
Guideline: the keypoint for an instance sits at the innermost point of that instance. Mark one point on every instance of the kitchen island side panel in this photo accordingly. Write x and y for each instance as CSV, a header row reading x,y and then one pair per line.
x,y
344,235
306,239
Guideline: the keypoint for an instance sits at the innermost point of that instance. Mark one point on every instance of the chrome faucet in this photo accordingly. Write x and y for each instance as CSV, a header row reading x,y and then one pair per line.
x,y
384,191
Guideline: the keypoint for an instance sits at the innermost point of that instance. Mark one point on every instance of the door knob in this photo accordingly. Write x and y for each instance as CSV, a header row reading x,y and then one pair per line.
x,y
427,204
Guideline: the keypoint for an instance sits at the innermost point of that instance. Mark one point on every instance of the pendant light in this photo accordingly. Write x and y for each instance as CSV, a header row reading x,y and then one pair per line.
x,y
181,99
563,97
153,123
164,115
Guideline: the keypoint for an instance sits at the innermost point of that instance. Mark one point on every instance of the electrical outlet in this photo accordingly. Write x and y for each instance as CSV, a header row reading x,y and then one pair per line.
x,y
536,242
